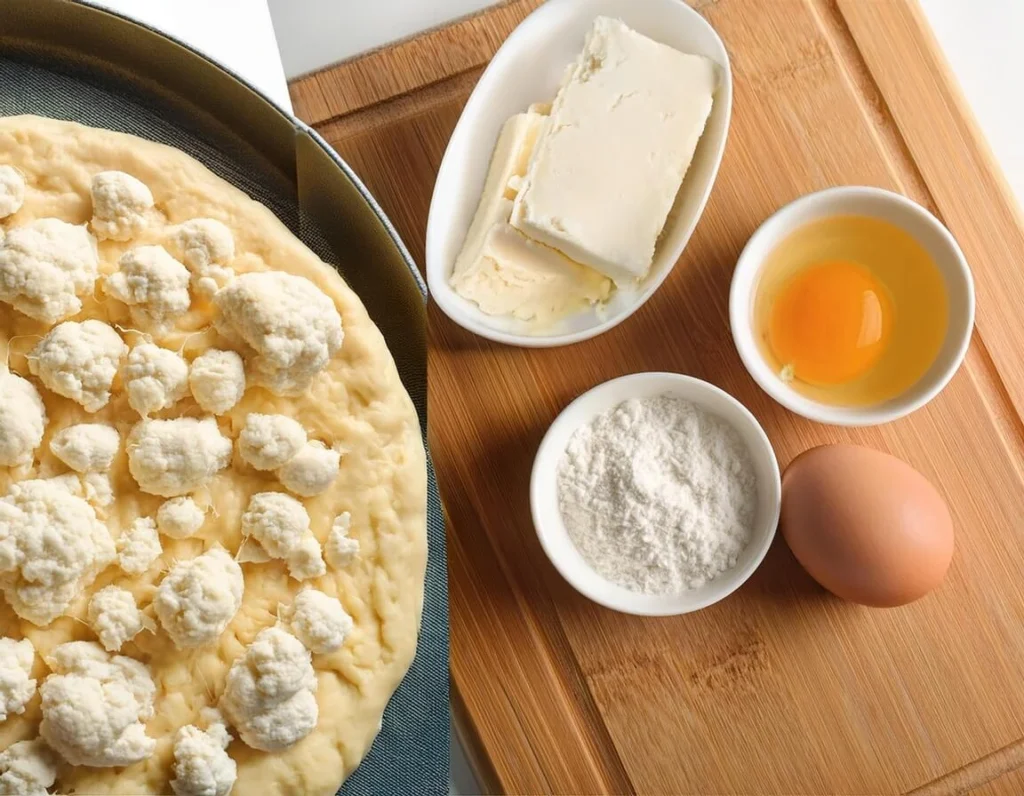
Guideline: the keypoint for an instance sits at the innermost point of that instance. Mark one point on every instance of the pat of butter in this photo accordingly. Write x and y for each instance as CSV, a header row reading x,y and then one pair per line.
x,y
623,130
502,271
508,163
516,276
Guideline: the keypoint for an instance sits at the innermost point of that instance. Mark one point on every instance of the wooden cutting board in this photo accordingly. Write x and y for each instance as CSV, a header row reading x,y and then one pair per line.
x,y
780,689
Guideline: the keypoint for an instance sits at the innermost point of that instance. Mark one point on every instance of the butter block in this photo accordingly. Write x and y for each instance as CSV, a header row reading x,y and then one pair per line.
x,y
623,130
501,270
508,163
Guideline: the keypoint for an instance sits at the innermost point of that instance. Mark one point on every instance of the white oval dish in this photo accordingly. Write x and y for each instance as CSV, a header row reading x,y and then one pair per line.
x,y
528,69
875,203
547,518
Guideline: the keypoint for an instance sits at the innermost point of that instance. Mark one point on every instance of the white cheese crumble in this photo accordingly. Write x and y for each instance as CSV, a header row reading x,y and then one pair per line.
x,y
27,768
206,246
139,547
154,378
12,191
45,266
279,525
175,457
318,620
16,684
154,286
202,766
306,560
52,546
22,419
120,203
292,327
199,597
270,696
268,441
94,488
340,550
95,706
86,447
79,361
217,380
115,617
179,518
311,471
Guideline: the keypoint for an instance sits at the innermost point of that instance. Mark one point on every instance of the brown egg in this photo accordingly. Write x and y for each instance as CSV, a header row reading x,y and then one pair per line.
x,y
865,525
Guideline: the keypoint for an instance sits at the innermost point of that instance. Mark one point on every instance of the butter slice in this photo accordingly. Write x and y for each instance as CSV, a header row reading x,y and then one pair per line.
x,y
527,280
502,271
623,130
509,161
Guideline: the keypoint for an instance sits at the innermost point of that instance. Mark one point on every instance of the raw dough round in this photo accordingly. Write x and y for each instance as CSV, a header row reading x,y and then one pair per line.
x,y
357,400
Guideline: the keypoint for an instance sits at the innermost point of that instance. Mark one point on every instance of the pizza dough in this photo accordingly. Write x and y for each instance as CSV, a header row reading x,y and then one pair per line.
x,y
358,402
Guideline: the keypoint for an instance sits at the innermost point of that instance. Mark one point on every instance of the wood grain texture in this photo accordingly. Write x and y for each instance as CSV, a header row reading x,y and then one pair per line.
x,y
780,689
1011,784
985,775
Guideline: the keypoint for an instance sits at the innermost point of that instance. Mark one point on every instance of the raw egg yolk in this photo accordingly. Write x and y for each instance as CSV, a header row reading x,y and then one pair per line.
x,y
831,323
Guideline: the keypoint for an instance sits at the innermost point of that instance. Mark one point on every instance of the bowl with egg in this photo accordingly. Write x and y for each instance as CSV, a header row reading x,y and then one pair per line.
x,y
579,169
656,494
852,306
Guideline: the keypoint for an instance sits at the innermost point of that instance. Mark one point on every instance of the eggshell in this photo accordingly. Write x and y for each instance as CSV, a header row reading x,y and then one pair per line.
x,y
865,525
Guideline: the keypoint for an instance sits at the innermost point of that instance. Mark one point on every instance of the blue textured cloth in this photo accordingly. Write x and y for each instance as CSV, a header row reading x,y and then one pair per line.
x,y
410,755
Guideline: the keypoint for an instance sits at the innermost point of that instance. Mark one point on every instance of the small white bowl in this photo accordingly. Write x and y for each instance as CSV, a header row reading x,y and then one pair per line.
x,y
874,203
547,518
528,69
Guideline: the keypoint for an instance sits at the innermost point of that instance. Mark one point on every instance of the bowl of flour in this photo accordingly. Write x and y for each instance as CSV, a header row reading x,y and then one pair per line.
x,y
656,494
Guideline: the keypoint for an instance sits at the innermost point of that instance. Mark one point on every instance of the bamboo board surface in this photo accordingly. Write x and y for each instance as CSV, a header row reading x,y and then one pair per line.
x,y
779,689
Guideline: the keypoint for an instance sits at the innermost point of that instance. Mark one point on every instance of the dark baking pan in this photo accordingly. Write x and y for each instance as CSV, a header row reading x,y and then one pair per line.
x,y
74,61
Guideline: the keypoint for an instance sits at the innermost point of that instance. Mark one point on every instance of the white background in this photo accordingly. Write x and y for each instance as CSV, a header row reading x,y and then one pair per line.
x,y
982,39
236,32
346,27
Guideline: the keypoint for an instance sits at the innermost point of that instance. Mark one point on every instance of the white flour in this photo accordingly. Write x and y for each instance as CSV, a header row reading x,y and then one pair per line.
x,y
658,495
